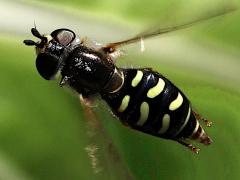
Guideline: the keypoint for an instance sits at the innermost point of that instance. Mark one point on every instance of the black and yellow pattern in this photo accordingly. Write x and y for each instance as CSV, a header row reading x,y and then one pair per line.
x,y
149,102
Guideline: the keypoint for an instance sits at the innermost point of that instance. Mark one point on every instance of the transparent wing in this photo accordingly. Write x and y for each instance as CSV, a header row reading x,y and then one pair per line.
x,y
111,47
104,156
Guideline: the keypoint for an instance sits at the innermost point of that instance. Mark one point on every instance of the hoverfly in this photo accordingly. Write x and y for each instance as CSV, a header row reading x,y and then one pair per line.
x,y
141,98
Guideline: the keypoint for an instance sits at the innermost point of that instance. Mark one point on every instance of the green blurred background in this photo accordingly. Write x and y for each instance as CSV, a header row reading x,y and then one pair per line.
x,y
43,133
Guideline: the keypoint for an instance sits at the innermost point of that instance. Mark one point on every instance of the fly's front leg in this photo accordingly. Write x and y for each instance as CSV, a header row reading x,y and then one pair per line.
x,y
101,148
87,101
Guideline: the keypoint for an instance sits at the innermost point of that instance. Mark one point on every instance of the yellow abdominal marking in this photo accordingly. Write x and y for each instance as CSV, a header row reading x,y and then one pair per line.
x,y
185,122
144,111
124,103
196,128
156,90
165,124
201,134
176,103
137,78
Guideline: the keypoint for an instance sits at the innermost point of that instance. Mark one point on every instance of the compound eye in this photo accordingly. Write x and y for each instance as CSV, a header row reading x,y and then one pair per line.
x,y
63,36
47,66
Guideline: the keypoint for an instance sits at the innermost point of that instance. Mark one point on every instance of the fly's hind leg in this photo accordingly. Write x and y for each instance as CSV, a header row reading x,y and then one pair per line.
x,y
200,118
188,145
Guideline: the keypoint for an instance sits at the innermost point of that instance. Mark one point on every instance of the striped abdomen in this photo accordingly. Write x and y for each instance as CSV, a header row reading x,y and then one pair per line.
x,y
150,103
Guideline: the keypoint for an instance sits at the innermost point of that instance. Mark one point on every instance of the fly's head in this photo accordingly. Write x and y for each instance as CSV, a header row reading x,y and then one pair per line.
x,y
52,50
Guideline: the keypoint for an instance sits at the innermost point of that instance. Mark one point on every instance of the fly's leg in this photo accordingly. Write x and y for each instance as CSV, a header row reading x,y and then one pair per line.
x,y
200,118
103,154
88,101
188,145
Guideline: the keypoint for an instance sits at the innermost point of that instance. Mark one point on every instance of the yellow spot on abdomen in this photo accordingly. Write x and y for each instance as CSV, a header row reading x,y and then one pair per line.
x,y
185,122
165,124
137,78
196,128
144,111
156,90
176,103
124,104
